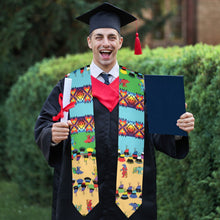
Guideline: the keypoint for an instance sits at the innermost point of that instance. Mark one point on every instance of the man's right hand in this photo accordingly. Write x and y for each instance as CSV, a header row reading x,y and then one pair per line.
x,y
60,131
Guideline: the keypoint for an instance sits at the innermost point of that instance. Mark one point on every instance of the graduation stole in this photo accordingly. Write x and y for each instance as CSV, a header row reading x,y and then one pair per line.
x,y
130,142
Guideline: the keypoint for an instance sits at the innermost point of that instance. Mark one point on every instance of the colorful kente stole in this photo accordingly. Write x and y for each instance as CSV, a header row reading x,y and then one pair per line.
x,y
130,142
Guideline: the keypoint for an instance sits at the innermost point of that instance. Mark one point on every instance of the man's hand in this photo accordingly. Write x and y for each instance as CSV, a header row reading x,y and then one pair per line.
x,y
186,122
60,131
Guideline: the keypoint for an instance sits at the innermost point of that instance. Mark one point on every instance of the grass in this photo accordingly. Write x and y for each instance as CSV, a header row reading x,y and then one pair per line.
x,y
13,207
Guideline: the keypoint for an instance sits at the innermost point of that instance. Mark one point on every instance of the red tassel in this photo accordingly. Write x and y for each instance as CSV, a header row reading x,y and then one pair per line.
x,y
137,46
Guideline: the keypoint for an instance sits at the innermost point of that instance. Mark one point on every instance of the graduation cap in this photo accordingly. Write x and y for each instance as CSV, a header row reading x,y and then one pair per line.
x,y
108,16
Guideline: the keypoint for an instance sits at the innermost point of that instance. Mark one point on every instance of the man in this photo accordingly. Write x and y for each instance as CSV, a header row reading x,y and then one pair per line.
x,y
99,120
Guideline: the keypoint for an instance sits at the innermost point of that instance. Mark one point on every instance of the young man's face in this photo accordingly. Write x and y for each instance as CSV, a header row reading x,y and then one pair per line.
x,y
105,43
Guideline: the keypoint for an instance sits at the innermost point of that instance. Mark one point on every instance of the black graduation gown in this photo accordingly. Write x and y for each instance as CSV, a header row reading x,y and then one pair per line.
x,y
106,133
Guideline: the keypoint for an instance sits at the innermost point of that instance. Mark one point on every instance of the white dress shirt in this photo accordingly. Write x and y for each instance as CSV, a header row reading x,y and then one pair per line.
x,y
95,71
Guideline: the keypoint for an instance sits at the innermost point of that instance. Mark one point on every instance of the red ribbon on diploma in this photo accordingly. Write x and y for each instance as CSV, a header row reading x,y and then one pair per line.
x,y
65,109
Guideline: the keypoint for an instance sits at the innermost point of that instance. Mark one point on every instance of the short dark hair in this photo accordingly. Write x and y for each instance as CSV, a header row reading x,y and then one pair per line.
x,y
90,35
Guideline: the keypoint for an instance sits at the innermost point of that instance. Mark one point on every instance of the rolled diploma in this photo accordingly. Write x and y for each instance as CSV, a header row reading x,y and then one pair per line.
x,y
66,97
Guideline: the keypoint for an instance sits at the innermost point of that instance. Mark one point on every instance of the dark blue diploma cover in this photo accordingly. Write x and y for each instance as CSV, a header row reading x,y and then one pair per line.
x,y
165,101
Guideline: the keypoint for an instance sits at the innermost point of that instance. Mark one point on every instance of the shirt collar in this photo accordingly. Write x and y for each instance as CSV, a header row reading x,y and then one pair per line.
x,y
95,71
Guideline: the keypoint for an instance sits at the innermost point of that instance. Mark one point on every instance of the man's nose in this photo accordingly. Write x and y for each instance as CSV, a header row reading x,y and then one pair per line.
x,y
105,42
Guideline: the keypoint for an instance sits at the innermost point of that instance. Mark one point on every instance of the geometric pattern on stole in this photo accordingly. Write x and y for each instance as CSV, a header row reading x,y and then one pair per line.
x,y
83,154
131,142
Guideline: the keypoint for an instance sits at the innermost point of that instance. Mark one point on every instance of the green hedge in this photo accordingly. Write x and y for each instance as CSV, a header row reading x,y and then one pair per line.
x,y
187,189
190,189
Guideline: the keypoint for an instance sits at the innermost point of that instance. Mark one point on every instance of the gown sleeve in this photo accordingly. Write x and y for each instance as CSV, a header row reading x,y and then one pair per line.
x,y
169,145
43,132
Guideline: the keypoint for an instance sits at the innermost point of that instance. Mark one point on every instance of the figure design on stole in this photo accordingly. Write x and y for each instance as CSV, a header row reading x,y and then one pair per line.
x,y
89,139
141,84
123,82
89,205
124,171
138,170
78,207
77,170
134,206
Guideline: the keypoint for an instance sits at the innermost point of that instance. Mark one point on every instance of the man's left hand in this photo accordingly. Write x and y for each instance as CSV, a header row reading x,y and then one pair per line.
x,y
186,122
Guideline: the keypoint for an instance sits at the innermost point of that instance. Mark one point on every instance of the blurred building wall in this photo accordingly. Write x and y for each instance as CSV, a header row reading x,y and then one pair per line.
x,y
198,22
208,21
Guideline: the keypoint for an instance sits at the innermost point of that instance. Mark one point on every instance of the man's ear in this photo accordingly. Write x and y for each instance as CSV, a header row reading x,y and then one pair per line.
x,y
120,42
89,42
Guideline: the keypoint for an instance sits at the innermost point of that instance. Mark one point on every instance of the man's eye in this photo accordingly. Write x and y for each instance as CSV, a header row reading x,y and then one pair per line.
x,y
112,38
98,38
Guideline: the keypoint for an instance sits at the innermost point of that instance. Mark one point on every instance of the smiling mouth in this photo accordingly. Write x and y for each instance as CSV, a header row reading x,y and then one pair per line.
x,y
105,54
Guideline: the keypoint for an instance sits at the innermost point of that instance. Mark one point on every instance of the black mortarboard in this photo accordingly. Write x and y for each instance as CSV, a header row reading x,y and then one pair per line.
x,y
106,16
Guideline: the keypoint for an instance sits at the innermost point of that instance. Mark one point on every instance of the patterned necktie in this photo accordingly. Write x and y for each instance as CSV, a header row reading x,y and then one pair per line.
x,y
105,76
